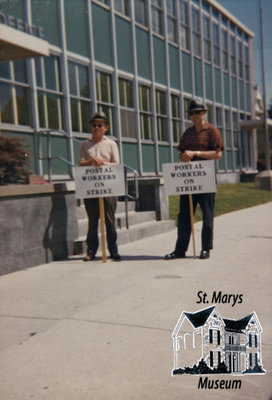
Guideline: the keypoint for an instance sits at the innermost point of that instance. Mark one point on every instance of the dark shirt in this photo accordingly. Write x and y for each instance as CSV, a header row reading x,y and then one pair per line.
x,y
207,139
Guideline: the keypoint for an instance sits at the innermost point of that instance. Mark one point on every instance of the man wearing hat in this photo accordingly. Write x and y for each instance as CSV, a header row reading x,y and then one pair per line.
x,y
96,151
202,141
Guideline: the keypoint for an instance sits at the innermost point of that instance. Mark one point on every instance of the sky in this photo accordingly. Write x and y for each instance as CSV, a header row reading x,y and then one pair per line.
x,y
247,11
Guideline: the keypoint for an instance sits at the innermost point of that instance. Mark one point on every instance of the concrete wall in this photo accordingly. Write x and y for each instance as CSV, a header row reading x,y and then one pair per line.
x,y
38,225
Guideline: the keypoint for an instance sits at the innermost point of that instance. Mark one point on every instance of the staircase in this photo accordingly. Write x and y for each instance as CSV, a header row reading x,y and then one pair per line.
x,y
142,224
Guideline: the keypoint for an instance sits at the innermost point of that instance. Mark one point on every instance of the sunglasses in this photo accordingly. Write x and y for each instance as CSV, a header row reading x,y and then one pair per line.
x,y
97,125
195,112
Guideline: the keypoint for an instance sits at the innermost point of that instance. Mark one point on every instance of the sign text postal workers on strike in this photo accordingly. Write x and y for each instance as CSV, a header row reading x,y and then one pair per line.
x,y
189,177
103,181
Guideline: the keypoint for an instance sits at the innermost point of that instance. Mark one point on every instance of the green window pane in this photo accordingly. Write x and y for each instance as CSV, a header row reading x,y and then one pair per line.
x,y
83,81
221,162
208,82
75,115
102,34
13,7
6,103
52,73
20,71
148,154
130,155
248,98
226,89
174,67
72,78
45,15
85,116
217,81
22,97
241,93
53,104
186,72
229,160
160,63
234,92
76,19
124,45
143,53
5,70
198,77
164,156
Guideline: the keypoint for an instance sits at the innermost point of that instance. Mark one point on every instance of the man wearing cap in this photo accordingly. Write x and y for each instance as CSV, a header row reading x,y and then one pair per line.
x,y
202,141
96,151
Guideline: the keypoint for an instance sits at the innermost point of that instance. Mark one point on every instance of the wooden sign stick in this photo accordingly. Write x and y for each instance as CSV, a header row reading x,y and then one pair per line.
x,y
102,228
192,222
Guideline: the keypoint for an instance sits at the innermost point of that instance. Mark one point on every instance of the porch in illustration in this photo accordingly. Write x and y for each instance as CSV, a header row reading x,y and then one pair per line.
x,y
206,343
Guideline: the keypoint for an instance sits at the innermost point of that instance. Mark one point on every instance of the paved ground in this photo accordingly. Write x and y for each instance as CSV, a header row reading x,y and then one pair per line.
x,y
77,331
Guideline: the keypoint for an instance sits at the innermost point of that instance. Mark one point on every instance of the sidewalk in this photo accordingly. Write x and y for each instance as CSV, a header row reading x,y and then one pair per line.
x,y
76,330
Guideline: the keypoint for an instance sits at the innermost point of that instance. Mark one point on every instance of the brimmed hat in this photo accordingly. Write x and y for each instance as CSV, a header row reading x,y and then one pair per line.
x,y
100,115
195,106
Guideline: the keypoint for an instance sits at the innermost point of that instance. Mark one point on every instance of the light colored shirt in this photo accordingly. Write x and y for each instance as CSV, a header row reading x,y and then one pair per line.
x,y
106,149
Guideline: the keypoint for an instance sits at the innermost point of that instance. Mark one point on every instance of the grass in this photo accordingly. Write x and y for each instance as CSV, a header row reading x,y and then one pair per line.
x,y
229,197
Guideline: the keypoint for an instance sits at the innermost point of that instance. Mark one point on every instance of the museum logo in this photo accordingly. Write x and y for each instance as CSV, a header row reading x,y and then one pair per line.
x,y
205,343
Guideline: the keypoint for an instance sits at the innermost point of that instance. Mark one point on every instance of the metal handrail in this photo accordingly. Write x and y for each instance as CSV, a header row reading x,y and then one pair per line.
x,y
49,159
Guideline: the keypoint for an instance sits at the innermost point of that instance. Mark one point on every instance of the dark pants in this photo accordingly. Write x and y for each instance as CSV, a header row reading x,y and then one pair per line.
x,y
206,202
92,208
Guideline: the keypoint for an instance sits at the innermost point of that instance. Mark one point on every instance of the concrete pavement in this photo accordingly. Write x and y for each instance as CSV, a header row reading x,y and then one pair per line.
x,y
74,330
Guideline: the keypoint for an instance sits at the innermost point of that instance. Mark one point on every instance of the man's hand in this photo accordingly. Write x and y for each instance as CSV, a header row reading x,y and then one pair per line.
x,y
187,155
93,161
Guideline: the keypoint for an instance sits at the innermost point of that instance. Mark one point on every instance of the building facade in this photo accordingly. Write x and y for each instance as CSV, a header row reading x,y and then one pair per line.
x,y
139,61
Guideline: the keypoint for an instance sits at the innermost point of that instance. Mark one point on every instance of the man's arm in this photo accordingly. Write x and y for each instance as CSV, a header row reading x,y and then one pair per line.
x,y
188,155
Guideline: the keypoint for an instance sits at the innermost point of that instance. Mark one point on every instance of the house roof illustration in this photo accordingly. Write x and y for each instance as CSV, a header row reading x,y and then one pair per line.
x,y
199,318
241,324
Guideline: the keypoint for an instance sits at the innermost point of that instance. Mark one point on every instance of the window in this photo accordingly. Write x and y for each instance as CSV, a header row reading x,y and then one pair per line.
x,y
225,63
50,96
161,115
14,93
186,107
171,20
128,126
196,31
207,38
175,117
104,95
256,359
211,359
145,112
156,10
216,56
240,59
184,24
228,129
256,341
140,12
121,6
250,359
232,55
79,97
247,76
250,340
209,113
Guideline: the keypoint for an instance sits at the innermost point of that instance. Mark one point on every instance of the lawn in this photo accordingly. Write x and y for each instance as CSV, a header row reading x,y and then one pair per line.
x,y
229,197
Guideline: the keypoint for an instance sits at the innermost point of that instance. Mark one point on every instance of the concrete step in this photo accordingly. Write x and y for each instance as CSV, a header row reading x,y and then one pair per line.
x,y
135,232
133,219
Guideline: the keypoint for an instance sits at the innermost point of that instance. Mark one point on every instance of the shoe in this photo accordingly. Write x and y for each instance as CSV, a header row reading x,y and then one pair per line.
x,y
90,256
204,254
174,255
115,257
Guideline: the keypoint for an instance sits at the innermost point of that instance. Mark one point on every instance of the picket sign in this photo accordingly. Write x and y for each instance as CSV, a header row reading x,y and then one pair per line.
x,y
189,178
100,182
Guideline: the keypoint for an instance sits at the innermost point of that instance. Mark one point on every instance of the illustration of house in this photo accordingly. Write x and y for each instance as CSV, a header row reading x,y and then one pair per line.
x,y
207,335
